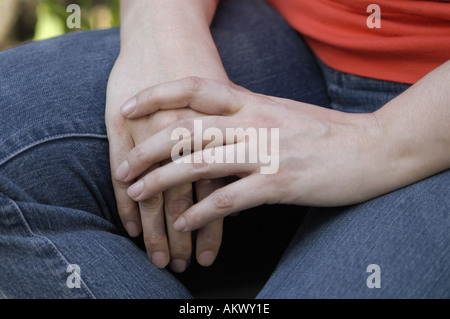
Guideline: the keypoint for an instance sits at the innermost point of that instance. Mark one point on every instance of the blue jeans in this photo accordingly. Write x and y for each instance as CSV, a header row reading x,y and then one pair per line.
x,y
57,205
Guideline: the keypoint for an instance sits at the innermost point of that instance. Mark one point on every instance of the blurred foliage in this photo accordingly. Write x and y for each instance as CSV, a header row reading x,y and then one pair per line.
x,y
52,16
22,21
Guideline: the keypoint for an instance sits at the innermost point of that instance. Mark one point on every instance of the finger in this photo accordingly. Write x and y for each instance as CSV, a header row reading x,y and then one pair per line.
x,y
202,95
120,145
209,237
238,196
167,144
191,168
152,150
153,227
153,224
176,201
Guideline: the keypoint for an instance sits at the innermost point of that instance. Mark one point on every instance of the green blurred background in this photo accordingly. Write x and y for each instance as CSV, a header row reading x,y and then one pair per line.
x,y
22,21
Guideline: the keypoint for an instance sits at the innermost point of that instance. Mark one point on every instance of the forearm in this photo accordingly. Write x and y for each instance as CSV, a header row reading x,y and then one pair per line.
x,y
415,130
171,35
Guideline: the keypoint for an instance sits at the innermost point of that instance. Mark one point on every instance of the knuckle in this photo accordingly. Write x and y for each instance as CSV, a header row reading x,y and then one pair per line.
x,y
199,163
138,154
194,84
151,240
222,199
204,188
126,210
154,202
180,249
119,184
178,206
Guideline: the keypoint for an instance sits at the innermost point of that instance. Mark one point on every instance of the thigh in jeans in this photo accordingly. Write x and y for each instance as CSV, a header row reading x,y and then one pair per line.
x,y
57,202
405,234
57,205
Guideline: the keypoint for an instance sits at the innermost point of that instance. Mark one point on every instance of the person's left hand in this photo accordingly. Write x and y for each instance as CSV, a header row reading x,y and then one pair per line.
x,y
154,216
320,158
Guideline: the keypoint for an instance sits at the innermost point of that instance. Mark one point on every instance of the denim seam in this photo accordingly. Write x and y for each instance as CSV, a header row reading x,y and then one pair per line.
x,y
52,245
48,139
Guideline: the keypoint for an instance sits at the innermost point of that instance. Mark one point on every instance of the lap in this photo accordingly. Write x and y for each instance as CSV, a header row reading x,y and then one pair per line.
x,y
405,233
54,148
53,96
41,243
57,205
56,199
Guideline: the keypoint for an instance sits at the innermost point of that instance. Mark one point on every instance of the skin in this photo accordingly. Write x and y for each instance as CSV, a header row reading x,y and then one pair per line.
x,y
165,41
327,158
161,41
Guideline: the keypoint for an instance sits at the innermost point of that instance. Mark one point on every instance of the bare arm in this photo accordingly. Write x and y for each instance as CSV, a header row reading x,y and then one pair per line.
x,y
415,129
171,37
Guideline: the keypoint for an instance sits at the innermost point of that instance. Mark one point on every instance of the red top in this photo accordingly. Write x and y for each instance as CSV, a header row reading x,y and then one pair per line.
x,y
413,38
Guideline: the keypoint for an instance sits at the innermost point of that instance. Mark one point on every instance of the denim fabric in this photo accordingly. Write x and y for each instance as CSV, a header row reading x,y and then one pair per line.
x,y
356,94
57,204
405,233
56,201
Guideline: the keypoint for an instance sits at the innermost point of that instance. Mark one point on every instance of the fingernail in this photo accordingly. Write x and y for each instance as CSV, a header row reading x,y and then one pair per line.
x,y
123,170
178,265
180,224
159,259
132,229
128,107
206,258
136,189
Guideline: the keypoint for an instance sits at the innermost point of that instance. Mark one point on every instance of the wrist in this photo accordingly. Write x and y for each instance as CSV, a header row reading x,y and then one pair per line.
x,y
408,158
376,166
416,127
147,21
171,38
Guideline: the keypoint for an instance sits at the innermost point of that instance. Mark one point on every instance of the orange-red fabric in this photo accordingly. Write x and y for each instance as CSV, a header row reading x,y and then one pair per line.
x,y
414,37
